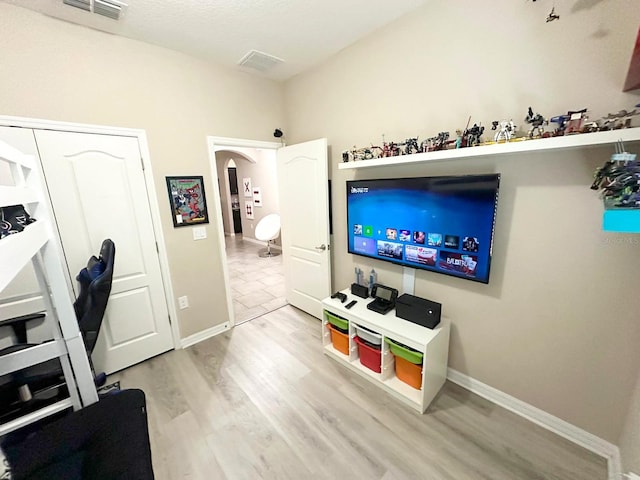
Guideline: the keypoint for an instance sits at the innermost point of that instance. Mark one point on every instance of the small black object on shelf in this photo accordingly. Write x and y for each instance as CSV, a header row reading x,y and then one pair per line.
x,y
341,296
359,290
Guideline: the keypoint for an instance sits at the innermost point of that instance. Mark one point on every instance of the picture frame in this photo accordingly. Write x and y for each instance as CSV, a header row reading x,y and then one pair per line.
x,y
188,201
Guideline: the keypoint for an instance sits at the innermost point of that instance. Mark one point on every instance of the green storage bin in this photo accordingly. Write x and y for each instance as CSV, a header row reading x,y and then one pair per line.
x,y
409,354
337,321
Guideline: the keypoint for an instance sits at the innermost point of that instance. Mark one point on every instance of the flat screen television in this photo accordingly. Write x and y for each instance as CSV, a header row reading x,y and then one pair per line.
x,y
440,224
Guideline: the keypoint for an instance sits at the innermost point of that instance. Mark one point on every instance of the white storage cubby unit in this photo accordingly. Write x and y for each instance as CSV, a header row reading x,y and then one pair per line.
x,y
37,244
432,343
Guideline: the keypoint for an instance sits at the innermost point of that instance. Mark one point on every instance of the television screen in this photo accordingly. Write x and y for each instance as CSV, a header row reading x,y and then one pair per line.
x,y
440,224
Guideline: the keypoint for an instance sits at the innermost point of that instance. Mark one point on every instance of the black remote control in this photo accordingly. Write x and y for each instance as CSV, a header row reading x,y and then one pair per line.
x,y
350,304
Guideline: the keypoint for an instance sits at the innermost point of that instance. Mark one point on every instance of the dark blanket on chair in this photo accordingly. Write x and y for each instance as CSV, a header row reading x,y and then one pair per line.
x,y
108,440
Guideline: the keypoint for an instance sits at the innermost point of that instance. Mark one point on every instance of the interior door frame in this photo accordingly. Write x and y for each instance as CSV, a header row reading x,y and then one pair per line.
x,y
215,144
141,136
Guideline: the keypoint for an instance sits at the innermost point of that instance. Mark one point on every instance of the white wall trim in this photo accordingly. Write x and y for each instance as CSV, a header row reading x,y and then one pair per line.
x,y
204,334
141,135
554,424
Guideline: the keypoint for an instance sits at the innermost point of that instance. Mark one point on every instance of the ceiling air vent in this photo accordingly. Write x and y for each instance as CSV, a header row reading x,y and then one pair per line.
x,y
259,61
108,8
83,4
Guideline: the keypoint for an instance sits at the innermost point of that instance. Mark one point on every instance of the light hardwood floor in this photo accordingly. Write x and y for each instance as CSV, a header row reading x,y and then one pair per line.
x,y
262,402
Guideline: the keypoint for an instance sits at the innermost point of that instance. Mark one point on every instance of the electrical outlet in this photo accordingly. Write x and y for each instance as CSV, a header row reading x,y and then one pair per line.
x,y
183,302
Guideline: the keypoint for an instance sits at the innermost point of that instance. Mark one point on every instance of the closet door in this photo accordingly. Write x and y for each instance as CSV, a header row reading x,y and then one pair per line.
x,y
98,191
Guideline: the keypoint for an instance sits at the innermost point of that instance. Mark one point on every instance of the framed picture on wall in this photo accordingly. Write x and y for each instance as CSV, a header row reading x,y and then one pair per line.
x,y
248,209
246,187
257,196
187,199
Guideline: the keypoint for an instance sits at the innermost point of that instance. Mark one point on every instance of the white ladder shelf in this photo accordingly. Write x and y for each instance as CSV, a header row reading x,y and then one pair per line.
x,y
37,244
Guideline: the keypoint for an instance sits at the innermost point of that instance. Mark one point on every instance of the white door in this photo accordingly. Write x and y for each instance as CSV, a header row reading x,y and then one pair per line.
x,y
304,210
97,189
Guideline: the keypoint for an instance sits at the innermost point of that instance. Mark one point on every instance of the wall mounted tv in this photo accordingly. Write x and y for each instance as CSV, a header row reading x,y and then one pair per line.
x,y
440,224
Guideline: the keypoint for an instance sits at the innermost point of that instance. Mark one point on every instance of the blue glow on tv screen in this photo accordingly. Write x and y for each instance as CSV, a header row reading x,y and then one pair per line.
x,y
440,224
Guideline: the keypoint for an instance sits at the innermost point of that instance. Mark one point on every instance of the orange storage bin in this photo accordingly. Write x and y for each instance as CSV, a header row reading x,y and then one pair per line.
x,y
340,340
408,372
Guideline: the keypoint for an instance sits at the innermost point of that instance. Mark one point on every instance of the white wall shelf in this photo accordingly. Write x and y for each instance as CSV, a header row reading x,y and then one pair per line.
x,y
432,343
568,142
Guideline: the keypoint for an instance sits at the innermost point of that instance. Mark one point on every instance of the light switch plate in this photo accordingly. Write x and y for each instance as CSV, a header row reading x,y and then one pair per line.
x,y
199,233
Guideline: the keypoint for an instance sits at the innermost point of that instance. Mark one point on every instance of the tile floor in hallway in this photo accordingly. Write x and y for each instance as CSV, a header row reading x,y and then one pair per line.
x,y
257,283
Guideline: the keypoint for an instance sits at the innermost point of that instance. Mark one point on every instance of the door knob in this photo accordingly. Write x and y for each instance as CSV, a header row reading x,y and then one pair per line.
x,y
322,247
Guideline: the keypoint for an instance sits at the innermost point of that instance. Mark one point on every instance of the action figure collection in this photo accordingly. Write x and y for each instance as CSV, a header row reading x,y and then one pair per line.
x,y
619,180
573,122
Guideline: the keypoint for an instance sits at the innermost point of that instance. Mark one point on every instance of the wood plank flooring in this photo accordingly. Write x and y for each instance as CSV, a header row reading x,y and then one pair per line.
x,y
262,402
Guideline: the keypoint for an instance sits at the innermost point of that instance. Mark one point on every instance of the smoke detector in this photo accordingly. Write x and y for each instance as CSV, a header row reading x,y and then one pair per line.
x,y
259,61
107,8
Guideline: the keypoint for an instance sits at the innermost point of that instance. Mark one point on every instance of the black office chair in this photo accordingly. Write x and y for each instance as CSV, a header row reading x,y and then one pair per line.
x,y
30,388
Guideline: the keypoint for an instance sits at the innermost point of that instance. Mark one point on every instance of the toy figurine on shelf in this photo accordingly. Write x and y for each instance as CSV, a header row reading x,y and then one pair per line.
x,y
376,151
439,142
561,120
411,146
472,136
576,121
442,140
622,119
537,123
619,180
506,132
458,142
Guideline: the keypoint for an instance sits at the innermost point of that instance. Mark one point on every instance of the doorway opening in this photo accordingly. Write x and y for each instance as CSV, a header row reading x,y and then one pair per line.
x,y
245,171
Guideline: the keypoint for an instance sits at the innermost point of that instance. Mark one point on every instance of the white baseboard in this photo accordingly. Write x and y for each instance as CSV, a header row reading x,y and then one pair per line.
x,y
204,334
554,424
262,243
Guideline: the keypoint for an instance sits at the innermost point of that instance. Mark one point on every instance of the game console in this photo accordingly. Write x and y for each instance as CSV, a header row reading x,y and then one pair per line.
x,y
384,299
418,310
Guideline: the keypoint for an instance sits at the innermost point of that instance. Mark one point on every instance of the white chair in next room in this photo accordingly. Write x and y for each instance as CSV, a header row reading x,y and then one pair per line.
x,y
267,230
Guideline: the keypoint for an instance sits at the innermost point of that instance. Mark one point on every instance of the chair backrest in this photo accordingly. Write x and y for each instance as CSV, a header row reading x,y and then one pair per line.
x,y
95,287
268,227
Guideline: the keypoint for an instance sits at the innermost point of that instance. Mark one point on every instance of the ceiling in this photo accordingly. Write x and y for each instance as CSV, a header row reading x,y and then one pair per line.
x,y
302,33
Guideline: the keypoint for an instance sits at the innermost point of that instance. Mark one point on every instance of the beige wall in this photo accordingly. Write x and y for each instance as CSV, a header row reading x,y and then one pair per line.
x,y
630,438
557,326
59,71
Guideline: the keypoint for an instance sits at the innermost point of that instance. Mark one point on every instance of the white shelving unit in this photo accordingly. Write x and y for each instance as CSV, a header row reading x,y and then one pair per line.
x,y
432,343
38,245
568,142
